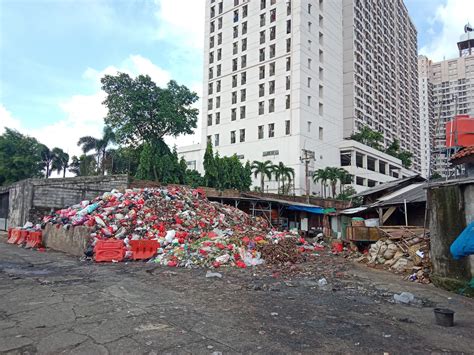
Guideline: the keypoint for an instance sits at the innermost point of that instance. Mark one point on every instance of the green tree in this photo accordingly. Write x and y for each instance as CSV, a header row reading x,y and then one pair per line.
x,y
193,178
61,161
263,169
19,157
321,176
333,175
369,137
140,111
47,159
347,195
246,176
211,173
394,148
405,156
85,165
282,173
345,178
99,145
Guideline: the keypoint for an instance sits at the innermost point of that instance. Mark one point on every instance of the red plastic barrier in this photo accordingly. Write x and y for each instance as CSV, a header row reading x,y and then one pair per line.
x,y
34,240
109,250
144,249
13,235
23,235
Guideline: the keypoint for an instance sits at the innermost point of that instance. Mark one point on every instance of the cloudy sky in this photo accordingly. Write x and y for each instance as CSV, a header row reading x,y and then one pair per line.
x,y
53,53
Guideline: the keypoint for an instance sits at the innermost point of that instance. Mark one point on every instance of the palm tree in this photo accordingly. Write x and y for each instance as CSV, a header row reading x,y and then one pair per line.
x,y
321,176
333,177
283,172
345,178
89,143
264,169
47,159
61,161
290,174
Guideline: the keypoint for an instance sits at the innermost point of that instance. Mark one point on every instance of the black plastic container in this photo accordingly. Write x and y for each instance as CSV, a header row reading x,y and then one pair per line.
x,y
444,317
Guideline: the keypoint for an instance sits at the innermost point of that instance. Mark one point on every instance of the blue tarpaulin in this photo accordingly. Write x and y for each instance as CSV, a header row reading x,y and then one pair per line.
x,y
464,243
315,210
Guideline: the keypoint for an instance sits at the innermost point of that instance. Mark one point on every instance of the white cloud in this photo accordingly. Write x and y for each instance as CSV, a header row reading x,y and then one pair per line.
x,y
181,21
450,18
84,114
7,120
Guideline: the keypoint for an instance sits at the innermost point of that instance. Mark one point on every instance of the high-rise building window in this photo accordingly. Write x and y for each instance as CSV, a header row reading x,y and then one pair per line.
x,y
221,7
209,104
209,88
321,91
321,38
209,120
288,26
236,15
262,54
272,33
219,23
213,27
273,15
261,108
288,45
321,133
260,132
209,139
271,70
310,43
321,109
236,31
309,63
288,82
244,28
218,117
287,127
271,130
271,87
243,78
236,2
218,72
234,81
262,37
211,42
271,105
261,90
218,102
233,114
321,73
321,21
232,137
243,61
216,140
235,48
272,51
321,56
321,5
243,95
234,64
309,100
309,126
218,86
244,44
213,11
263,4
262,20
219,54
288,101
288,63
245,11
242,112
309,82
211,57
242,135
261,72
309,8
309,26
234,97
219,38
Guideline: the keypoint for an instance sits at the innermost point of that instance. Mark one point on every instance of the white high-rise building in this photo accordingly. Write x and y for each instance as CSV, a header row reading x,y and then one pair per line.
x,y
446,89
427,125
278,78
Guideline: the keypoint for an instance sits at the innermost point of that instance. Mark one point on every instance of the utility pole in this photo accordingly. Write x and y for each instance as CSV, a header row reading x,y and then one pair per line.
x,y
306,157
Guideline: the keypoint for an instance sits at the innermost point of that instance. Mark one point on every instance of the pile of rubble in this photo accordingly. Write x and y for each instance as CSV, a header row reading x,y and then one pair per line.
x,y
190,230
404,252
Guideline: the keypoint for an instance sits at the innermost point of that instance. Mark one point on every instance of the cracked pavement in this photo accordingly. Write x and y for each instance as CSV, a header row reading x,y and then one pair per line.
x,y
52,303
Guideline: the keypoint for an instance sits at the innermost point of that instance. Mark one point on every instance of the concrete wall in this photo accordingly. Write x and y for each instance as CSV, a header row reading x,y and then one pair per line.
x,y
451,208
32,197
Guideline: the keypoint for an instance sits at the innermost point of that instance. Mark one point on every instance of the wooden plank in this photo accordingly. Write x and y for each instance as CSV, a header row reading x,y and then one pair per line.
x,y
388,213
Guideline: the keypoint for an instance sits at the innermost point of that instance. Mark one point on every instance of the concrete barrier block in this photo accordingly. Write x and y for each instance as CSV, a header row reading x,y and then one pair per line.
x,y
72,241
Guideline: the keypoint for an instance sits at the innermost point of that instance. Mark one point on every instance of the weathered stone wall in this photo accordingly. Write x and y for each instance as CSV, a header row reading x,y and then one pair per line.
x,y
448,210
72,241
468,193
28,197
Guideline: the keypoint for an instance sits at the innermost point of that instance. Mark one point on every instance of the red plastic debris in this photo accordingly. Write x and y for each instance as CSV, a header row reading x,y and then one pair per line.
x,y
34,239
144,249
109,250
241,264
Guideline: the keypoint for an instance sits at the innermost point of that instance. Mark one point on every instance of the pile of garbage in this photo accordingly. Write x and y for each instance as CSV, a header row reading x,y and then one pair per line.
x,y
190,230
404,256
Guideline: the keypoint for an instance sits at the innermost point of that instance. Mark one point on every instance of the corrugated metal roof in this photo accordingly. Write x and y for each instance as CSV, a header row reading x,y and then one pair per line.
x,y
412,193
389,185
354,210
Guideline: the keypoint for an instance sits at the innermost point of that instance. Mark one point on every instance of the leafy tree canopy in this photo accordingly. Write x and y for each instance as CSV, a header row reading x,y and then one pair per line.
x,y
140,111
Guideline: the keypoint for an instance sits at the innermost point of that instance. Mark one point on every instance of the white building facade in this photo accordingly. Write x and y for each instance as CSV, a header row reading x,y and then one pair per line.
x,y
274,84
446,89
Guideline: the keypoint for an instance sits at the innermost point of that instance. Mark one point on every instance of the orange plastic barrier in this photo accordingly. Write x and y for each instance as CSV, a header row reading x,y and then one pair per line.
x,y
109,250
13,235
23,235
34,239
144,249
